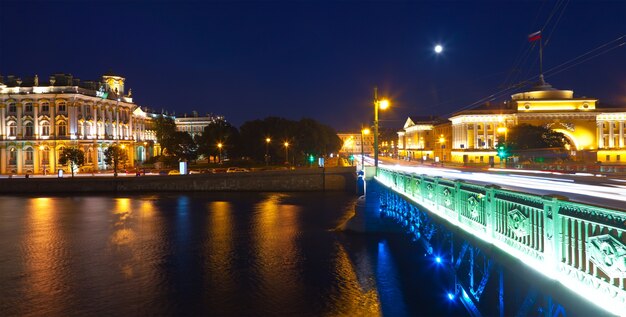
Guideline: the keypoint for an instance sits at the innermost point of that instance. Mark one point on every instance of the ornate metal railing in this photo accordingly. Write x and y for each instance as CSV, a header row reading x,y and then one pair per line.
x,y
581,246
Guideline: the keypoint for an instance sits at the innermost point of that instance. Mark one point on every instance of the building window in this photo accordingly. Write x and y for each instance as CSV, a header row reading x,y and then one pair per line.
x,y
618,158
12,108
61,107
45,156
28,156
89,156
45,129
12,129
608,158
28,129
45,107
29,107
13,156
62,128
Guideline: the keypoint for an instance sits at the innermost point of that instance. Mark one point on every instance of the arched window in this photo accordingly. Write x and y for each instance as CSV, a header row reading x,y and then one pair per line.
x,y
12,108
12,128
58,155
28,156
44,151
45,128
13,156
61,106
45,107
89,156
28,129
62,128
28,107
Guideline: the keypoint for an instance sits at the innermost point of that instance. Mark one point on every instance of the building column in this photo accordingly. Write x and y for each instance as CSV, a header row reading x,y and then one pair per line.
x,y
116,133
611,134
36,120
36,160
2,121
19,155
3,159
600,134
19,120
52,159
485,135
94,156
621,134
476,145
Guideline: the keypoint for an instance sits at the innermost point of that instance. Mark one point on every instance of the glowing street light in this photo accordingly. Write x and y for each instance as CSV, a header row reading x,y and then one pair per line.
x,y
286,144
382,104
267,148
219,147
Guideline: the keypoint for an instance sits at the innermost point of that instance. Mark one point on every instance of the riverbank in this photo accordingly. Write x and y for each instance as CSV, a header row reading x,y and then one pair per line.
x,y
320,179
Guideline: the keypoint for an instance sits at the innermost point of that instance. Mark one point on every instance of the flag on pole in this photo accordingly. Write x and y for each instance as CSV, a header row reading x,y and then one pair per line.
x,y
535,36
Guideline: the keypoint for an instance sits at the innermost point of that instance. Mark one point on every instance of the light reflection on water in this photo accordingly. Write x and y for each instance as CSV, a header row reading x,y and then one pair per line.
x,y
209,254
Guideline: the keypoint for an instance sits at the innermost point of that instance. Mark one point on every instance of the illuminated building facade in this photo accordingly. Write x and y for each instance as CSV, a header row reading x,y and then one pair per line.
x,y
425,138
594,133
38,120
352,143
195,124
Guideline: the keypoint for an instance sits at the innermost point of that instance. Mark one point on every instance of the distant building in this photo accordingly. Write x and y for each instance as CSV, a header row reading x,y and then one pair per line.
x,y
425,138
351,143
195,124
38,119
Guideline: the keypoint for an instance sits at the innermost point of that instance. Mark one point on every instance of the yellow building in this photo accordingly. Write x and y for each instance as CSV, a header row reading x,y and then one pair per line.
x,y
425,138
595,133
38,120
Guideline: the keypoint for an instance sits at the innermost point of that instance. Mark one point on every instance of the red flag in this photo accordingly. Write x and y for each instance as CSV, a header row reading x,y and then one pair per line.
x,y
535,36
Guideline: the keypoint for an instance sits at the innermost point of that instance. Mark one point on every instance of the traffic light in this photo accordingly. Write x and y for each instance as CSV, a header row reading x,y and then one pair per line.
x,y
502,151
351,157
311,158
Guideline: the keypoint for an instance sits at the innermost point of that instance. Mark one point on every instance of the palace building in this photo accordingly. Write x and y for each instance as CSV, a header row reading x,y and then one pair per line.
x,y
37,120
595,133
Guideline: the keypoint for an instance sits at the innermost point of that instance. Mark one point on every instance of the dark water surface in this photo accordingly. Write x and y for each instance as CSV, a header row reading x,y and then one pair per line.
x,y
218,254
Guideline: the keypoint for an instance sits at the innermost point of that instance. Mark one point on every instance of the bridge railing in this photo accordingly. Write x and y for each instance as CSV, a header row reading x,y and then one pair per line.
x,y
582,246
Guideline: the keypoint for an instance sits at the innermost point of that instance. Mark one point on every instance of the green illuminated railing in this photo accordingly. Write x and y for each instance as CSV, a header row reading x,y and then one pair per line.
x,y
582,246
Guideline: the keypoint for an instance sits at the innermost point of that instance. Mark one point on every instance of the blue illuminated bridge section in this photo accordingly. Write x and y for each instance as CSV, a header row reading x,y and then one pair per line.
x,y
581,246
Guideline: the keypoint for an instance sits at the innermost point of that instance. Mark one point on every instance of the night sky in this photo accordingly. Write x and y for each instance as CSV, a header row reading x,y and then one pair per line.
x,y
252,59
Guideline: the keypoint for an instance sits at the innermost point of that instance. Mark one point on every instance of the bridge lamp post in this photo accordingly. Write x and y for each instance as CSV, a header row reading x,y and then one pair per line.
x,y
442,141
365,131
267,150
382,104
219,147
286,144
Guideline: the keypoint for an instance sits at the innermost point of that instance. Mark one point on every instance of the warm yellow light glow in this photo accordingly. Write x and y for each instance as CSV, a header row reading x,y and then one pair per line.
x,y
286,144
502,130
383,104
219,145
365,131
123,146
41,148
267,140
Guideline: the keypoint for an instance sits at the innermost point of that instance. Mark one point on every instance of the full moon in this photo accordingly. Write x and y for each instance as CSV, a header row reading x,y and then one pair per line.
x,y
438,49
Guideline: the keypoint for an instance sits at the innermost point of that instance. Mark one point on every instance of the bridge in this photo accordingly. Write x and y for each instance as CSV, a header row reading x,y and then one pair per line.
x,y
581,246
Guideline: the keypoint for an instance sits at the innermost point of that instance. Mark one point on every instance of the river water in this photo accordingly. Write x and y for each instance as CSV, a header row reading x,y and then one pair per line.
x,y
218,254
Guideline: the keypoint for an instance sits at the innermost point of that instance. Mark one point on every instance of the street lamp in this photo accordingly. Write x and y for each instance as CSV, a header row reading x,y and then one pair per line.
x,y
286,152
442,141
365,131
382,104
267,149
219,147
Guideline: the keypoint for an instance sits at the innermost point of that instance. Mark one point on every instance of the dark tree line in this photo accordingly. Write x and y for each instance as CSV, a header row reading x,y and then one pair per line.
x,y
305,138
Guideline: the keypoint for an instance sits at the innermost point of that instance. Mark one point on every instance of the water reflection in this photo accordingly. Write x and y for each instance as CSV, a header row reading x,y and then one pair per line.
x,y
194,254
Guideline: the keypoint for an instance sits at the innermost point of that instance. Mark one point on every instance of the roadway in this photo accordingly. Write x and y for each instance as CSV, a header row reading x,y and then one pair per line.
x,y
600,190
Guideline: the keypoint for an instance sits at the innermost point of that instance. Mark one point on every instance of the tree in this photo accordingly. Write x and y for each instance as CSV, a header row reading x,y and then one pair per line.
x,y
165,128
72,155
526,136
222,132
115,155
184,148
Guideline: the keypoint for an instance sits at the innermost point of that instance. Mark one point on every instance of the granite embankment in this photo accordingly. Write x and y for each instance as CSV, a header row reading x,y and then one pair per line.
x,y
328,179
